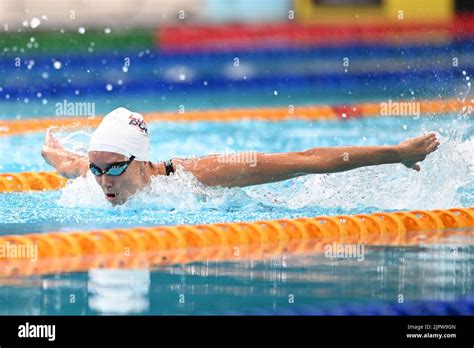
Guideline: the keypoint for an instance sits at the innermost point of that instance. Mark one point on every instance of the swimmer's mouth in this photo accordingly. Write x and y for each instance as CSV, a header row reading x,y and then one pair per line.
x,y
111,196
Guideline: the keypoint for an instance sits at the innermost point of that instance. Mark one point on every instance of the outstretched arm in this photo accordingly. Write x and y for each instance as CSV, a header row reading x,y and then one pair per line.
x,y
66,163
220,170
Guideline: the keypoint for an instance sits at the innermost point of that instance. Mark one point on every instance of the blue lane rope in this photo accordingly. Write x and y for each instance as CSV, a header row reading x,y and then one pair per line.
x,y
324,82
354,51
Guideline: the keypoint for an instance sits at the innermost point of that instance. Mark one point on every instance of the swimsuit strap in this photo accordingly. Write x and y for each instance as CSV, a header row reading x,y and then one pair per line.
x,y
169,167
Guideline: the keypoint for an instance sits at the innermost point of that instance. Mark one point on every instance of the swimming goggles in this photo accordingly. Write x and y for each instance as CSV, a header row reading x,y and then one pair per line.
x,y
113,169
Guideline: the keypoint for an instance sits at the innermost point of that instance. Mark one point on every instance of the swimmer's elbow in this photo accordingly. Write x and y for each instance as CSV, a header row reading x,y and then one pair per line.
x,y
68,175
73,169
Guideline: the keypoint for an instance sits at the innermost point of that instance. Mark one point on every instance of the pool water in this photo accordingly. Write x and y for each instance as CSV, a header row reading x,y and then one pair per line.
x,y
445,181
389,276
281,284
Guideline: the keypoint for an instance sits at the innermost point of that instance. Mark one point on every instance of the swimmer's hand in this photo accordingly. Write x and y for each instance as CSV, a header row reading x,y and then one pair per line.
x,y
416,149
51,142
66,163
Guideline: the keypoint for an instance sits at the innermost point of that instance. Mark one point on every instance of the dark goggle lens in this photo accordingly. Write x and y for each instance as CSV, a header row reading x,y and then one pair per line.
x,y
95,170
112,171
116,171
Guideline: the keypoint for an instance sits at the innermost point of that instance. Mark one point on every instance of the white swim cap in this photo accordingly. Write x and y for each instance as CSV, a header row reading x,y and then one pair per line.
x,y
124,132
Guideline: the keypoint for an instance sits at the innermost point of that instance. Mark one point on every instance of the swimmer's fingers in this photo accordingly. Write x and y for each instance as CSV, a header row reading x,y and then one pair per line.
x,y
50,139
412,165
433,146
51,128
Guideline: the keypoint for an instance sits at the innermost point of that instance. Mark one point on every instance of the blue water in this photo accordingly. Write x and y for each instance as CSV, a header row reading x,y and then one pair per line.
x,y
168,201
392,277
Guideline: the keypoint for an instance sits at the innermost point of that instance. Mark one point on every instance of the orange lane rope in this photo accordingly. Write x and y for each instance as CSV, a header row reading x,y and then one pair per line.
x,y
31,181
53,252
316,112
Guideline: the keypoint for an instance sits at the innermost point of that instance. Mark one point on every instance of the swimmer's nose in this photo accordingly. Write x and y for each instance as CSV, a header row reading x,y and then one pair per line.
x,y
106,181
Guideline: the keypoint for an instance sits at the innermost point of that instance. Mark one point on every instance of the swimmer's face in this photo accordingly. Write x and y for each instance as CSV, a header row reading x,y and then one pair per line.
x,y
117,189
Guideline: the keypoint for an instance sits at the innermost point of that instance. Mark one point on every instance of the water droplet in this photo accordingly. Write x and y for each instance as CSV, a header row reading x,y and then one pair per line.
x,y
124,69
275,92
34,23
205,83
464,72
109,87
57,65
405,127
45,75
119,82
81,30
182,77
44,101
107,30
76,92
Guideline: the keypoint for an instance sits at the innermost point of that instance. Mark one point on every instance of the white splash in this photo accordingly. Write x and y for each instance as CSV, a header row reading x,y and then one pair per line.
x,y
391,186
180,191
83,192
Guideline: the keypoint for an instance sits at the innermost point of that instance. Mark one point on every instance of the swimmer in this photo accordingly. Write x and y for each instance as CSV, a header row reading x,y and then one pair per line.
x,y
119,158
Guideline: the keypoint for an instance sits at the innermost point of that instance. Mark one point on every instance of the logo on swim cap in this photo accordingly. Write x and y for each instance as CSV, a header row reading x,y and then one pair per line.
x,y
124,132
135,121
